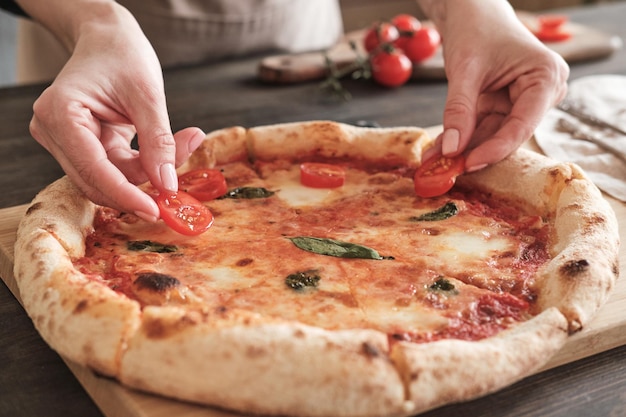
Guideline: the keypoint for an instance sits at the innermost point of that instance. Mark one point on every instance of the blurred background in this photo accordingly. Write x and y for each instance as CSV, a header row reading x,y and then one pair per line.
x,y
357,14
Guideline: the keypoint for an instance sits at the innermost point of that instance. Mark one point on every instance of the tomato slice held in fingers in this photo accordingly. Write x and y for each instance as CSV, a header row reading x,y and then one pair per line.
x,y
437,175
183,213
320,175
203,184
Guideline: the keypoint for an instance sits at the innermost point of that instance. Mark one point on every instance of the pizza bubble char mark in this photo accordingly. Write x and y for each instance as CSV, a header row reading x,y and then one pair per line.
x,y
156,281
303,279
337,248
442,213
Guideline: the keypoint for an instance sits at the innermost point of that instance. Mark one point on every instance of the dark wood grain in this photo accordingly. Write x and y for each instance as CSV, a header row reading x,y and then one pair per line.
x,y
34,381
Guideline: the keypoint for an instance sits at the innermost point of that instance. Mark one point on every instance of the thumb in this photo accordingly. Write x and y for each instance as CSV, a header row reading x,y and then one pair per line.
x,y
459,116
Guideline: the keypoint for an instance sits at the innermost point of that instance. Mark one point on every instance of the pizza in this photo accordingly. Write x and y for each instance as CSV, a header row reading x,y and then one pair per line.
x,y
322,274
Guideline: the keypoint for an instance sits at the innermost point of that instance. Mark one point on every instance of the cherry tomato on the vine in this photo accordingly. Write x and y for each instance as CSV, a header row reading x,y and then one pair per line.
x,y
320,175
437,175
203,184
391,67
378,34
422,45
183,213
406,23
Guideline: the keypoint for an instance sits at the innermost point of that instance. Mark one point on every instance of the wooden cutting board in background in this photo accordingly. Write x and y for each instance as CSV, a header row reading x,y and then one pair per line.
x,y
585,44
606,331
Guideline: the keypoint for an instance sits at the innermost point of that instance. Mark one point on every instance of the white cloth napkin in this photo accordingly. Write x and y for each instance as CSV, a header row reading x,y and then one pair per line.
x,y
603,96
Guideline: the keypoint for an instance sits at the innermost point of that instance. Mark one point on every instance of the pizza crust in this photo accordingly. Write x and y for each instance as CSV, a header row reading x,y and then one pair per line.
x,y
211,357
449,371
251,364
83,320
585,245
400,146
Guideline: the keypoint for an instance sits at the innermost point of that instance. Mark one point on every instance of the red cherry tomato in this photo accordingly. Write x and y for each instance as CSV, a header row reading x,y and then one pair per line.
x,y
183,213
380,33
551,21
391,68
437,175
551,28
319,175
406,23
203,184
553,35
423,44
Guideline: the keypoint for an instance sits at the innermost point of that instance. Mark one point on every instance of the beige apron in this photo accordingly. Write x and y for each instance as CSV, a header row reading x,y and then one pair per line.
x,y
193,31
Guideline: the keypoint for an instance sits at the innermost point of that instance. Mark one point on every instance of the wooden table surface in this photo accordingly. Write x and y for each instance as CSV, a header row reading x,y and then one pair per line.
x,y
34,381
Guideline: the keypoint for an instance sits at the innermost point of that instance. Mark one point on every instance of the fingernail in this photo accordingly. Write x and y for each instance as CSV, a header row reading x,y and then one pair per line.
x,y
196,142
169,177
476,168
145,216
450,141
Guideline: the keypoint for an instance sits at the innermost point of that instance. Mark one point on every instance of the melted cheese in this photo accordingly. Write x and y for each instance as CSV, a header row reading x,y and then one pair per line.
x,y
243,261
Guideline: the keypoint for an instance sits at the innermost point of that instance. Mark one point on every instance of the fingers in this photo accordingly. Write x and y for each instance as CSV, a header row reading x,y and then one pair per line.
x,y
499,138
148,112
187,141
98,158
84,160
459,115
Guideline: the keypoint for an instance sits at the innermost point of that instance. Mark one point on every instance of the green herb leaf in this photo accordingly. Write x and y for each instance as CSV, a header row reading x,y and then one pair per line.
x,y
150,246
303,279
337,248
442,284
442,213
248,193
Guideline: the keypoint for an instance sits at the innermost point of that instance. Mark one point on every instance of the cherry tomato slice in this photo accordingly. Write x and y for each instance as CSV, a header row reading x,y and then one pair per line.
x,y
203,184
183,213
320,175
437,175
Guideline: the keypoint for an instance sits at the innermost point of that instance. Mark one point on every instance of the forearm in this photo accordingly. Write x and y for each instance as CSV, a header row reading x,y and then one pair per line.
x,y
447,14
69,20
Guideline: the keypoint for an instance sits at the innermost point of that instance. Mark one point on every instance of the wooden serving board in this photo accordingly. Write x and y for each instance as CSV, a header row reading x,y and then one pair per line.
x,y
585,44
606,331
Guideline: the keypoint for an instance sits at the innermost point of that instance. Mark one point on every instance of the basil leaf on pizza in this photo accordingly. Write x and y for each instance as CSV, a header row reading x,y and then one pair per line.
x,y
337,248
149,246
442,213
248,193
286,289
